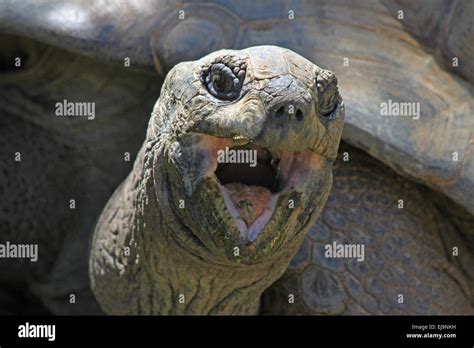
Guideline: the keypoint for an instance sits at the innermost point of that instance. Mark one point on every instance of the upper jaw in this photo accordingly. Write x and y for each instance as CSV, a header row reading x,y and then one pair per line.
x,y
251,178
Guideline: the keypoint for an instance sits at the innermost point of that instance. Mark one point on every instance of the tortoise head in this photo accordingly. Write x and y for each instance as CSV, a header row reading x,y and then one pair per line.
x,y
243,144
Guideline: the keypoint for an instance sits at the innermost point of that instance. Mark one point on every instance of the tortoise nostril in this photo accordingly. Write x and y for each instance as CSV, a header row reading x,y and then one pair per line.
x,y
280,112
290,112
299,115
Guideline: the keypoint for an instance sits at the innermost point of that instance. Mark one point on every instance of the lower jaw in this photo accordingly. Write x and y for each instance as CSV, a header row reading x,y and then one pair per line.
x,y
252,231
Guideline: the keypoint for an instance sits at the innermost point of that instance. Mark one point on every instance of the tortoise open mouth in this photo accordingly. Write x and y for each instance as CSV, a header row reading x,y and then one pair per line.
x,y
251,178
251,165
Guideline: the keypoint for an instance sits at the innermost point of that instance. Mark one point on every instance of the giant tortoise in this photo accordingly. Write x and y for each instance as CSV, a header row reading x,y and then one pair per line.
x,y
136,215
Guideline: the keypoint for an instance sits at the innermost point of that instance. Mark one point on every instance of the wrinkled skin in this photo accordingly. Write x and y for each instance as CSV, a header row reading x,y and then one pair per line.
x,y
165,242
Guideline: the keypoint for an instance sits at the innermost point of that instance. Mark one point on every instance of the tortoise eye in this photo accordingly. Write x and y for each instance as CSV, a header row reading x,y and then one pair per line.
x,y
224,81
328,93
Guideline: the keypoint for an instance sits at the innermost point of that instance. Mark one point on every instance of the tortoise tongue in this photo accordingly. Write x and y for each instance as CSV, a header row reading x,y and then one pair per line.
x,y
250,201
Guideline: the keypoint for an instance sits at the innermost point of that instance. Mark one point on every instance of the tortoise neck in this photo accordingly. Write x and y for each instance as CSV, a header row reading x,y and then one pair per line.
x,y
177,281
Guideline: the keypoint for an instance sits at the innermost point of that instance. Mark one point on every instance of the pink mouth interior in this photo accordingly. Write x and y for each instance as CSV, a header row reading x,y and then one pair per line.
x,y
250,201
250,192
